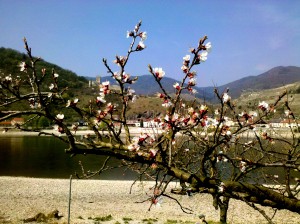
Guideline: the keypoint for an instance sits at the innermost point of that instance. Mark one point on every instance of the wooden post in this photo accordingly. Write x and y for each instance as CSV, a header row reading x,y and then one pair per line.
x,y
70,193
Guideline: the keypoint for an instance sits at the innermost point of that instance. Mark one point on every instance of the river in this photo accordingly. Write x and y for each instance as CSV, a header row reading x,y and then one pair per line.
x,y
45,157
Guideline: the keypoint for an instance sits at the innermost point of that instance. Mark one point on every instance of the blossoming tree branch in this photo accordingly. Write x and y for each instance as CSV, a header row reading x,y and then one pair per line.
x,y
192,143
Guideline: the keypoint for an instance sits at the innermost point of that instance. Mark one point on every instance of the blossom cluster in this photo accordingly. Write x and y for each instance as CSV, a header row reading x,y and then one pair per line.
x,y
186,66
8,80
104,90
159,73
200,57
34,103
145,141
288,113
192,118
53,86
243,166
23,66
137,33
166,101
72,103
264,106
58,126
226,98
101,114
124,78
247,116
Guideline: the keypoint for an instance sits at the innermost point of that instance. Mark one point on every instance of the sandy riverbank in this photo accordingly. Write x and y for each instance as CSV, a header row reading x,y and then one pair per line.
x,y
133,130
22,198
15,132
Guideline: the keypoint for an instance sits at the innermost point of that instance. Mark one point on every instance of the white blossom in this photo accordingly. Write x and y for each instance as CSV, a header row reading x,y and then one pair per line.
x,y
221,187
159,72
106,83
187,57
117,76
253,114
208,47
194,91
23,66
226,98
60,116
133,98
184,68
176,86
141,46
192,81
203,56
287,113
51,86
167,104
243,166
143,35
8,78
228,133
191,110
129,34
263,106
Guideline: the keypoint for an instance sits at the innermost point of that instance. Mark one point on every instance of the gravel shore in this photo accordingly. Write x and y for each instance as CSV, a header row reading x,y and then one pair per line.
x,y
22,198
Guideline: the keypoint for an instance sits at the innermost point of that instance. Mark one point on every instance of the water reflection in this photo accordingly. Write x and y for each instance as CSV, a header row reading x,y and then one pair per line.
x,y
33,156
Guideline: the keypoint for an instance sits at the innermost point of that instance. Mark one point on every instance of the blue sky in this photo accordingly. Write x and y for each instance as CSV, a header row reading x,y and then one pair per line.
x,y
249,37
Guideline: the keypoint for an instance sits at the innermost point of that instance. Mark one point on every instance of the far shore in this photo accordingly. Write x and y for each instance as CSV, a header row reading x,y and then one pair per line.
x,y
133,130
49,132
16,132
22,198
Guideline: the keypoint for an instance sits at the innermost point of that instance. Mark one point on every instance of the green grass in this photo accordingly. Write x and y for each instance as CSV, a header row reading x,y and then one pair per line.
x,y
149,221
103,218
127,220
171,221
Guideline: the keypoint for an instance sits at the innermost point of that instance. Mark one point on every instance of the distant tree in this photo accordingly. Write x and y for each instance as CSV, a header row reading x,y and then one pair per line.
x,y
228,153
43,122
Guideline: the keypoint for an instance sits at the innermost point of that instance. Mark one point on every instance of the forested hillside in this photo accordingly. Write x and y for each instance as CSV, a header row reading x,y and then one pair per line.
x,y
10,60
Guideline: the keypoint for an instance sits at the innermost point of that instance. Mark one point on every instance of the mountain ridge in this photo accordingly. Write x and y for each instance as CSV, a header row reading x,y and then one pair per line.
x,y
273,78
146,84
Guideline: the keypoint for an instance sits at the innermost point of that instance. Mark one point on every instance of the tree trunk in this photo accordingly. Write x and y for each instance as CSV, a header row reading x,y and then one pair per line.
x,y
223,209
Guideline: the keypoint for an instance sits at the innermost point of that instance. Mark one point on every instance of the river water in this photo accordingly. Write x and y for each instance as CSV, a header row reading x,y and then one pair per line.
x,y
45,157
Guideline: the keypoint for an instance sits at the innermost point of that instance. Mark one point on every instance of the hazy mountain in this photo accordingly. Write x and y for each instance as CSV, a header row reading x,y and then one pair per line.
x,y
146,85
275,77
